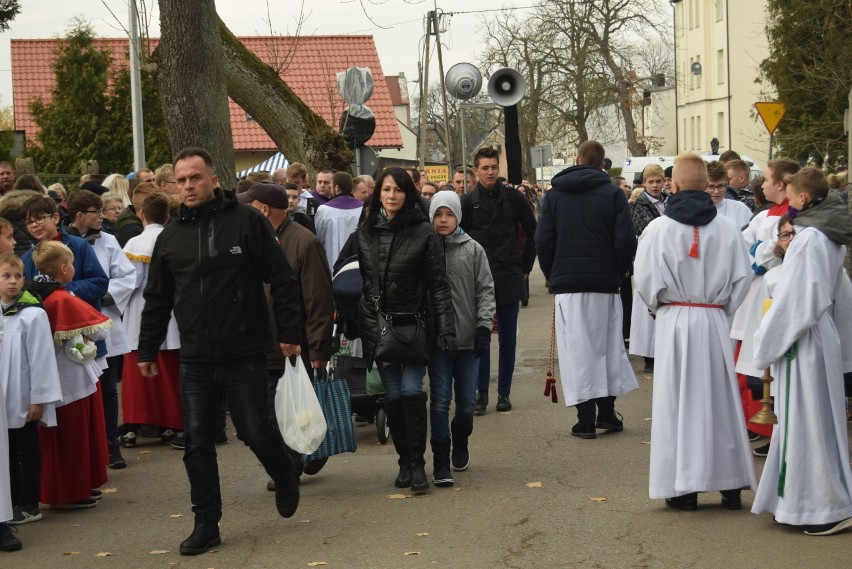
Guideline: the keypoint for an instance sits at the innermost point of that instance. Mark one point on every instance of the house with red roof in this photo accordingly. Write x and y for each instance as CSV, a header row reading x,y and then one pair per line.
x,y
308,64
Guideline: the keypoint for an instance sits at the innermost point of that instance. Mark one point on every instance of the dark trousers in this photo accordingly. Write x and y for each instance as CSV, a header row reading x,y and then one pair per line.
x,y
507,332
24,465
109,393
626,306
589,411
243,382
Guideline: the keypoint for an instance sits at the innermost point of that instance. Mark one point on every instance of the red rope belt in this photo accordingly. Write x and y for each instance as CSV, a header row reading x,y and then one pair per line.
x,y
694,304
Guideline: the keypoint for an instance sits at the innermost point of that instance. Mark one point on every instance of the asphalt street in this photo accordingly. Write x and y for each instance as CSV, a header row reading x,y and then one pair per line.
x,y
533,497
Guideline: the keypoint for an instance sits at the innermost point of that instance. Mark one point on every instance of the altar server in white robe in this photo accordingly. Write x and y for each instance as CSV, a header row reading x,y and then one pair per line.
x,y
807,480
717,184
692,271
585,241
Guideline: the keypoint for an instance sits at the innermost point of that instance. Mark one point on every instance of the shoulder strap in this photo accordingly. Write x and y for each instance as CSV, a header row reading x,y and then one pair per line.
x,y
377,289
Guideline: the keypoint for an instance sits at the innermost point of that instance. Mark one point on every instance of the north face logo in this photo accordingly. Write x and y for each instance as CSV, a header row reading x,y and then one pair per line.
x,y
235,250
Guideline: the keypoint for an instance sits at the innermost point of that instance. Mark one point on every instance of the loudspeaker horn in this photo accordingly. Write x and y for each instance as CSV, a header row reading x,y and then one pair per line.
x,y
463,81
506,87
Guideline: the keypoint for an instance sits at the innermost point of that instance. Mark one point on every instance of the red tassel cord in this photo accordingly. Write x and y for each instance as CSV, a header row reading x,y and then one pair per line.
x,y
550,382
693,252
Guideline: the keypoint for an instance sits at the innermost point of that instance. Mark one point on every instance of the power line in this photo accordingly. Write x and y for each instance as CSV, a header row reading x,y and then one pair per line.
x,y
508,9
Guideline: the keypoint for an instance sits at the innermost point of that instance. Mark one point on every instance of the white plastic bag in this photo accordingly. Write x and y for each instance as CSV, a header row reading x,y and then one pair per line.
x,y
299,414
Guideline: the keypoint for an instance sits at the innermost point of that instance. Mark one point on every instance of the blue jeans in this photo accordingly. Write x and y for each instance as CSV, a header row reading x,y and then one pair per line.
x,y
401,379
243,383
445,375
507,336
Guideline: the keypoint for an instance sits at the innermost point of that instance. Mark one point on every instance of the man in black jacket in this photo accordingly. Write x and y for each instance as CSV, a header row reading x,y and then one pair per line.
x,y
502,221
209,265
586,242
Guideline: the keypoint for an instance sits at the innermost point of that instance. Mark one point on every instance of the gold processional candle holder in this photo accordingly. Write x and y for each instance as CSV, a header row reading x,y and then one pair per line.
x,y
765,416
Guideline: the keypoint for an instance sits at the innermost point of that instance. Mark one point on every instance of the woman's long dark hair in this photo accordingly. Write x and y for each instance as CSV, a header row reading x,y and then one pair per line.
x,y
374,202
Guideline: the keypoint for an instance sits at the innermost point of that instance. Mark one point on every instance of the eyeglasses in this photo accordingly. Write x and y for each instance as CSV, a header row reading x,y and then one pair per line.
x,y
95,211
114,209
37,221
716,188
786,235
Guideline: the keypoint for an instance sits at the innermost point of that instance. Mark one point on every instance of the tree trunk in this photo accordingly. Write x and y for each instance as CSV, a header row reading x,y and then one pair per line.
x,y
190,70
302,135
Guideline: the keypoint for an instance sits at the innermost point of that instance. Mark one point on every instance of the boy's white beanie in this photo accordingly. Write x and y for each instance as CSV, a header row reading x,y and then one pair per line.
x,y
445,198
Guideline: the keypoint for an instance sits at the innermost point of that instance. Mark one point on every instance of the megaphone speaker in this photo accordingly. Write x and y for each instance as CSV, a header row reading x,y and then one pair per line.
x,y
463,81
506,87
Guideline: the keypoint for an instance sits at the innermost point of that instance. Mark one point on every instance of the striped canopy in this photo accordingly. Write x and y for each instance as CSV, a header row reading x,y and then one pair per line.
x,y
271,164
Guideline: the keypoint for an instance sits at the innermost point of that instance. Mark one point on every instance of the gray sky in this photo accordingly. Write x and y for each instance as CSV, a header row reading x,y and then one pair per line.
x,y
397,45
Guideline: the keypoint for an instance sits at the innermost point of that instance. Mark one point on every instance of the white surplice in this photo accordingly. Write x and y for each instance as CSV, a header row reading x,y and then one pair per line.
x,y
810,403
122,279
592,360
5,485
642,327
760,239
736,211
698,437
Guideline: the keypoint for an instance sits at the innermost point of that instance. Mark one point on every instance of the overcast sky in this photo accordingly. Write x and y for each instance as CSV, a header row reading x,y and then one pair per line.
x,y
397,45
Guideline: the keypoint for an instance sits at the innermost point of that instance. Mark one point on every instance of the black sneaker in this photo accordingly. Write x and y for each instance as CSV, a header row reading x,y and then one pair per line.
x,y
221,438
752,436
25,514
732,499
829,529
610,423
178,441
481,403
116,461
761,450
583,431
8,541
79,505
96,494
687,502
503,404
128,440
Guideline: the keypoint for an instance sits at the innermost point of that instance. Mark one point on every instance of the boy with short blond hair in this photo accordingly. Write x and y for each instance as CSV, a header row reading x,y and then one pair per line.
x,y
29,382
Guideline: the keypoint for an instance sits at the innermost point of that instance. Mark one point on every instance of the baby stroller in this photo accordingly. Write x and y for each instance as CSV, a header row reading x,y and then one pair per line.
x,y
366,397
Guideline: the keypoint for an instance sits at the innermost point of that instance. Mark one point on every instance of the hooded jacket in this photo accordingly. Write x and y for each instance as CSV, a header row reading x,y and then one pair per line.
x,y
209,264
411,271
585,237
471,283
830,217
127,226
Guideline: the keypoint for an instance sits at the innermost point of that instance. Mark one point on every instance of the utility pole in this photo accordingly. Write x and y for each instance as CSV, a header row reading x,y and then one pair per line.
x,y
136,91
424,96
443,91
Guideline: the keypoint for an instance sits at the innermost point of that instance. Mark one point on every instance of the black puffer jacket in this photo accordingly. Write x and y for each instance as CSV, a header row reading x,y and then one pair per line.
x,y
412,274
585,237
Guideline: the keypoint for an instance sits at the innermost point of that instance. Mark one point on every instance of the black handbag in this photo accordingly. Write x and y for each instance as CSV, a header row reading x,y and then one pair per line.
x,y
403,337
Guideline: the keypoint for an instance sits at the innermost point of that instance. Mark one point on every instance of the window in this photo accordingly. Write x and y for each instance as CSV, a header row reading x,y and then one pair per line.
x,y
698,135
720,10
720,67
698,77
692,138
683,137
696,4
720,127
691,74
689,4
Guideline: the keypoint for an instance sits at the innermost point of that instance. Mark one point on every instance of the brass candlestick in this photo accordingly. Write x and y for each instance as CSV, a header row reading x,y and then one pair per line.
x,y
765,416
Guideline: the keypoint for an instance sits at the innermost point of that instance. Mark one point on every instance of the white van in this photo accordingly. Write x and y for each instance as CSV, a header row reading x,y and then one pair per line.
x,y
634,165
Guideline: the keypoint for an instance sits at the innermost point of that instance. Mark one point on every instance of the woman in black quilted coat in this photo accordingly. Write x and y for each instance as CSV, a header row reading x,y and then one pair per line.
x,y
398,244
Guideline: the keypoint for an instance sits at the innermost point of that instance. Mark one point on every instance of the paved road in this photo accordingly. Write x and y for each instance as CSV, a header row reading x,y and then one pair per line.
x,y
491,519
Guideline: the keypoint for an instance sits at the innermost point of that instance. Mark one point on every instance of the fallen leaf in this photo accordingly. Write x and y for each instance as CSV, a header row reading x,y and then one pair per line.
x,y
70,553
457,489
109,490
410,553
103,554
317,563
304,521
144,452
599,499
647,419
176,516
399,496
159,551
646,442
421,534
534,485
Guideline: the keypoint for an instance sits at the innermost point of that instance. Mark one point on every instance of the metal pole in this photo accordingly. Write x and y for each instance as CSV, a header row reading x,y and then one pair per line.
x,y
541,162
443,88
136,91
770,145
464,150
424,95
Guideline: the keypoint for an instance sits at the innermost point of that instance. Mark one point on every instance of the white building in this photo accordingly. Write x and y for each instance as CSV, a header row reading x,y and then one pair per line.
x,y
719,45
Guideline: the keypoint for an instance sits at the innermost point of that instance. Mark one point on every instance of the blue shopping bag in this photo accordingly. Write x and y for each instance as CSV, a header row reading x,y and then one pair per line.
x,y
333,396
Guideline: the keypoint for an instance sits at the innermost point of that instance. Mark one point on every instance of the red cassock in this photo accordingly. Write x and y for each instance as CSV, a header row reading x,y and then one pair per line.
x,y
152,400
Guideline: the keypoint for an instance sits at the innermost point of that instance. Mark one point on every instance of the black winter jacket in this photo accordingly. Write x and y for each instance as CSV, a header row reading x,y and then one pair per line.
x,y
210,264
585,237
412,275
502,221
644,212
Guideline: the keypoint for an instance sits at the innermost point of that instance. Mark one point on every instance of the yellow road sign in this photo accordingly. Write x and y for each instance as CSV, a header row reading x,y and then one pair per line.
x,y
771,113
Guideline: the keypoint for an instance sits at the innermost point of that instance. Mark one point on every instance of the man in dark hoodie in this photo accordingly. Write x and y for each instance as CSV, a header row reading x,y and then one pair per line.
x,y
585,242
209,265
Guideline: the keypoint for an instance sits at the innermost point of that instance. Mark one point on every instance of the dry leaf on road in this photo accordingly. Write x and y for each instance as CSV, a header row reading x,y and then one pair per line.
x,y
421,534
398,496
599,499
103,554
647,419
109,490
144,452
159,551
176,516
317,563
304,521
70,553
646,442
534,485
410,553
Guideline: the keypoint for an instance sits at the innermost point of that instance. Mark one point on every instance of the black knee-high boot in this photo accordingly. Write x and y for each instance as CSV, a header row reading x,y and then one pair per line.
x,y
415,430
395,412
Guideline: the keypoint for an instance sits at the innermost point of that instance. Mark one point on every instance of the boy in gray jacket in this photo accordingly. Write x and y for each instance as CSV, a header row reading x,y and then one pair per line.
x,y
473,305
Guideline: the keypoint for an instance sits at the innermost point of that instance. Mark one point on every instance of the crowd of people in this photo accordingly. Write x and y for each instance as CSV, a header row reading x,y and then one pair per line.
x,y
112,283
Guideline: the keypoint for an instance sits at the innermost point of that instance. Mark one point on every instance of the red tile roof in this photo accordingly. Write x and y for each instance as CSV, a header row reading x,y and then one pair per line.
x,y
311,68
